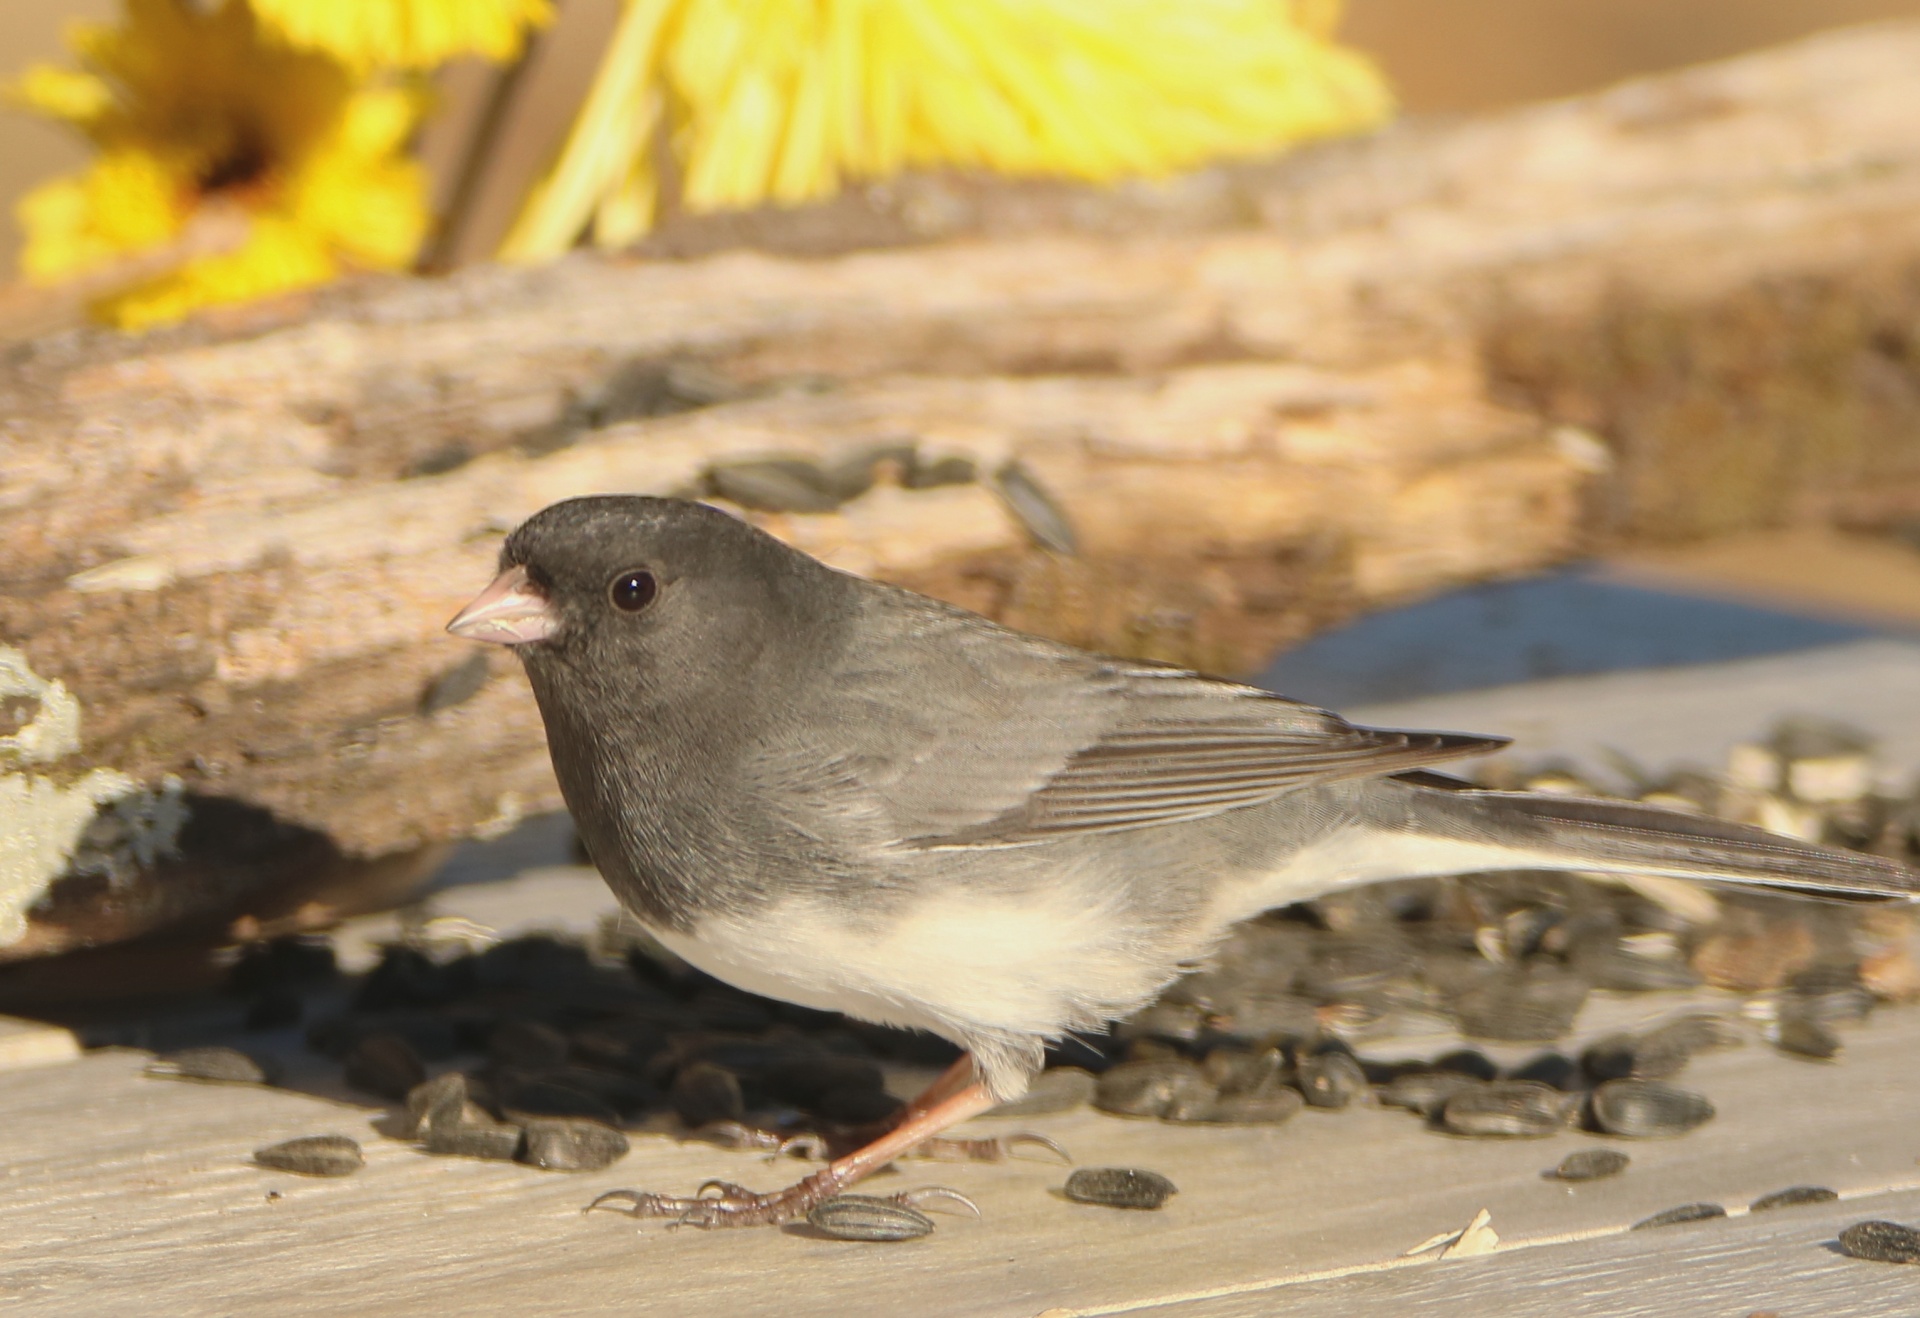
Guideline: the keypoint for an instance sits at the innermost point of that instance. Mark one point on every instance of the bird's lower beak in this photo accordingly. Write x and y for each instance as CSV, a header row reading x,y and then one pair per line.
x,y
512,611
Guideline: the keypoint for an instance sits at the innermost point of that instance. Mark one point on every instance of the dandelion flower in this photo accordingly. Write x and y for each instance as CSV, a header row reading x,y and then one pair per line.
x,y
785,100
408,34
191,111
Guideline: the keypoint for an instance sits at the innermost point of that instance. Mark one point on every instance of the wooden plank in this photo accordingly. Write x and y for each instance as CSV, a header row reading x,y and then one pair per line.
x,y
133,1191
26,1044
1785,1261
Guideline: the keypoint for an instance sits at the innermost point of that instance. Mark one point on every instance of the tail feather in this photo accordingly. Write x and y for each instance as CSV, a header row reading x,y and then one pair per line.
x,y
1573,832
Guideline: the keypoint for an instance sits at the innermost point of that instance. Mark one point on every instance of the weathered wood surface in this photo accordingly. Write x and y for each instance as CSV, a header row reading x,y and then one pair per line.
x,y
130,1192
1287,392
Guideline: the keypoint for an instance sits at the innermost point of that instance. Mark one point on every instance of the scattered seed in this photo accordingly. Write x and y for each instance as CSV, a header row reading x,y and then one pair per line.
x,y
1035,509
774,485
1648,1109
1554,1069
1802,1036
1684,1213
1332,1079
867,1217
1153,1089
1792,1197
704,1092
1506,1109
1590,1165
1426,1092
476,1135
224,1066
1119,1187
437,1102
1255,1107
1057,1089
385,1064
528,1044
1882,1242
313,1155
572,1146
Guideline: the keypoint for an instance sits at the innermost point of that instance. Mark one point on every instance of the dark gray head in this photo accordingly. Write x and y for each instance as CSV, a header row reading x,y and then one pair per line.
x,y
622,593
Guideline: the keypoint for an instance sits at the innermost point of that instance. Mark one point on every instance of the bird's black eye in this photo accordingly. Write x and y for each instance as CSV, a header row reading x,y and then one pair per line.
x,y
633,591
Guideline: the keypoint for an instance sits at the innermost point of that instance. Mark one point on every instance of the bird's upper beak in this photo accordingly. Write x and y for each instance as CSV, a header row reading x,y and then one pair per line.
x,y
512,611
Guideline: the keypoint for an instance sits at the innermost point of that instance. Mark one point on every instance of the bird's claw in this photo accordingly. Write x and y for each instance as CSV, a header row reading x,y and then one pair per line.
x,y
997,1149
733,1205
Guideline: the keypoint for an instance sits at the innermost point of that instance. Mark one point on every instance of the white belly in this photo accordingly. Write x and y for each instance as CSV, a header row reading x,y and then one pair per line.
x,y
1036,963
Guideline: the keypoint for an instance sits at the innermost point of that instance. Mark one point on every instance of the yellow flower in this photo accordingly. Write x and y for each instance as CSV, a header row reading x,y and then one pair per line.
x,y
784,100
192,113
411,34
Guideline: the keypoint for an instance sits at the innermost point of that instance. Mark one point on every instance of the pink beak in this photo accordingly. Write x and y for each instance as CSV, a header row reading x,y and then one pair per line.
x,y
512,611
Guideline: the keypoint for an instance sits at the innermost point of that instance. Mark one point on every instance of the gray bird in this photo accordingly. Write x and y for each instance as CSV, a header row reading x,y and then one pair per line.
x,y
846,795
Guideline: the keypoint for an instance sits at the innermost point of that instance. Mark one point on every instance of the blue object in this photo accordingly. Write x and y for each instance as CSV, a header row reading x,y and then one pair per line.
x,y
1560,625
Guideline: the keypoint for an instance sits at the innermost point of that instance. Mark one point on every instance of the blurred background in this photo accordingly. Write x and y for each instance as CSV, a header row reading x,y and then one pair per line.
x,y
1441,56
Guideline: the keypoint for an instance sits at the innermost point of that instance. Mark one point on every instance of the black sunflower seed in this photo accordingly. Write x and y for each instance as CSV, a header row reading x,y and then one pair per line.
x,y
228,1066
1153,1088
1792,1197
866,1217
1332,1079
1590,1165
1506,1109
572,1145
1684,1213
704,1092
1883,1242
313,1155
1648,1109
385,1064
1057,1089
1119,1187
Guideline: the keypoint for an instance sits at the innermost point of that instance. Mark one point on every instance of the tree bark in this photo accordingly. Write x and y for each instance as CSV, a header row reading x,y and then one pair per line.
x,y
1263,397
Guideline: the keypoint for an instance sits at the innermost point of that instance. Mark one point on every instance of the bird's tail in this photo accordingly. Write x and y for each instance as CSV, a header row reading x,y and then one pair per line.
x,y
1539,831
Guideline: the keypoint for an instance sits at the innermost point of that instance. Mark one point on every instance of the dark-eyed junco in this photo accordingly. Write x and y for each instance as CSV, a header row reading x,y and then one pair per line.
x,y
846,795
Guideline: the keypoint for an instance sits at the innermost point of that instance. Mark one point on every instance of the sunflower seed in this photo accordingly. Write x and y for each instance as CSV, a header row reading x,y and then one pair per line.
x,y
1426,1092
867,1217
1647,1109
1536,1006
1684,1213
1792,1197
572,1146
1152,1089
1119,1187
313,1155
527,1043
1057,1089
704,1092
1332,1079
438,1102
1035,509
1254,1107
475,1134
774,485
1882,1242
385,1064
1554,1069
1802,1036
1506,1109
1590,1165
227,1066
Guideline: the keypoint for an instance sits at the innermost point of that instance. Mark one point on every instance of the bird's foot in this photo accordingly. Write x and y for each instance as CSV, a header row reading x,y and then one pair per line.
x,y
999,1148
817,1147
736,1205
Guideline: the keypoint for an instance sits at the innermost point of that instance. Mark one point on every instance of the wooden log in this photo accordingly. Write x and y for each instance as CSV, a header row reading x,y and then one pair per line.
x,y
1263,397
